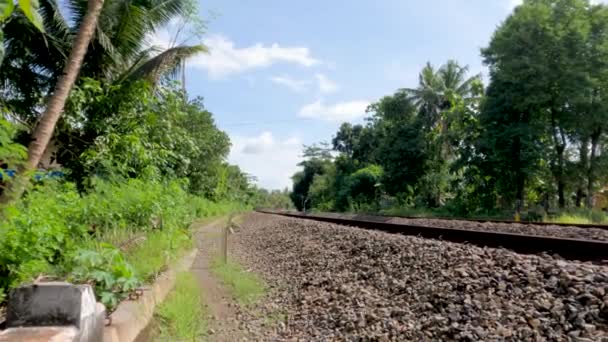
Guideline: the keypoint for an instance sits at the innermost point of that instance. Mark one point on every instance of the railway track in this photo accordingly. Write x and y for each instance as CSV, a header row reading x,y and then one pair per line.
x,y
568,248
537,223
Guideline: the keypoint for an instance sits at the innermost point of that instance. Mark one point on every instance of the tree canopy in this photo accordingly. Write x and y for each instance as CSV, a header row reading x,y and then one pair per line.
x,y
534,136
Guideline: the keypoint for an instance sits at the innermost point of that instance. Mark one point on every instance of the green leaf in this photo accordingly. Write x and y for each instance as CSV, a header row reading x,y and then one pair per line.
x,y
6,8
30,9
109,299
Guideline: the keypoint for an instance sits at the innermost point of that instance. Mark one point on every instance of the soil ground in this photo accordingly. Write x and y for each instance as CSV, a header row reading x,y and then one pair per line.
x,y
223,322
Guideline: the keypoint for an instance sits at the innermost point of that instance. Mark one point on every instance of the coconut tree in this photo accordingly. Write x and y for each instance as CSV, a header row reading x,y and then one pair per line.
x,y
119,50
44,130
437,87
433,97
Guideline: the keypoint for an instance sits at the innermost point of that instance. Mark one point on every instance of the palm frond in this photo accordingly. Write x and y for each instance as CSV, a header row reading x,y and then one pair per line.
x,y
161,12
140,59
166,62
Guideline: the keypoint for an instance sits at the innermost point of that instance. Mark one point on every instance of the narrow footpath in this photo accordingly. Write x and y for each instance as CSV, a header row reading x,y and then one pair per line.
x,y
222,310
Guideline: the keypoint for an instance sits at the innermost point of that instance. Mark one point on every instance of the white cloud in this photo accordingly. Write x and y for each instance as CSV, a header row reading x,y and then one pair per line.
x,y
326,85
273,161
225,58
341,111
258,144
323,83
291,83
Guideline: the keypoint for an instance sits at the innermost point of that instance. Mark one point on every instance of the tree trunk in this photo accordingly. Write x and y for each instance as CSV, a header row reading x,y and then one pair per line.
x,y
579,197
520,177
561,200
583,167
45,128
595,139
519,190
559,139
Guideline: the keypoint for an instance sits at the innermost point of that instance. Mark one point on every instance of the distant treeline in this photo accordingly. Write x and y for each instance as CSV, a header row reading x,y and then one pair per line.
x,y
534,136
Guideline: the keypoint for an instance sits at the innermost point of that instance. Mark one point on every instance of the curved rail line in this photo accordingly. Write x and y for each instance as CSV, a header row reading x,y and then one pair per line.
x,y
573,249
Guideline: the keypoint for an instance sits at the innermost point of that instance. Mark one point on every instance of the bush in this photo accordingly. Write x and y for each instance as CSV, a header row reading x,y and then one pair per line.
x,y
54,231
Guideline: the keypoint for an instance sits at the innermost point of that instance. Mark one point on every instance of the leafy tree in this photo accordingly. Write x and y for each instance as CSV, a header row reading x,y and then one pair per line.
x,y
29,9
46,126
538,52
317,159
153,137
401,143
120,48
322,191
365,188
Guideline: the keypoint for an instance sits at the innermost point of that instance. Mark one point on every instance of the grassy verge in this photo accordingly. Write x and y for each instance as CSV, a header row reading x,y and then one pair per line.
x,y
580,217
245,287
181,317
158,250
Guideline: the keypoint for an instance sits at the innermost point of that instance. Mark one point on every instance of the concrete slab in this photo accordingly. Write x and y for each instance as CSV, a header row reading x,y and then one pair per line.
x,y
53,311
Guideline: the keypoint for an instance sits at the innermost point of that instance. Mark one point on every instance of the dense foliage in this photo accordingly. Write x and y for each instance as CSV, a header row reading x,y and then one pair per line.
x,y
132,160
56,231
534,137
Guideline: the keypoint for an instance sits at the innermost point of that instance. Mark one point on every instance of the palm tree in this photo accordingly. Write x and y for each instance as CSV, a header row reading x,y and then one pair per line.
x,y
44,130
433,98
437,87
119,50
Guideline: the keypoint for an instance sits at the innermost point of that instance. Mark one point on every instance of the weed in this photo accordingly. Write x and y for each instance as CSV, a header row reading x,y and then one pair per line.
x,y
106,269
181,316
158,250
275,318
245,287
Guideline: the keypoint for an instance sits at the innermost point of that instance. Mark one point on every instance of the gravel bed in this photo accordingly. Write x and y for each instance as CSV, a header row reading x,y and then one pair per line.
x,y
331,282
515,228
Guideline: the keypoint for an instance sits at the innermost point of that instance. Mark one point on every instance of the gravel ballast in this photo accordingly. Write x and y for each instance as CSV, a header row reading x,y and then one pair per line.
x,y
333,282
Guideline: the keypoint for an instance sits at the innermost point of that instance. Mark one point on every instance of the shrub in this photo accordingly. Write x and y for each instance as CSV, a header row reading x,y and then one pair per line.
x,y
55,231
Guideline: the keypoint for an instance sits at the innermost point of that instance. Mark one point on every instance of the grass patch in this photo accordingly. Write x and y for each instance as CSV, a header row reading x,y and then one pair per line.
x,y
181,317
245,287
570,219
581,216
275,317
157,250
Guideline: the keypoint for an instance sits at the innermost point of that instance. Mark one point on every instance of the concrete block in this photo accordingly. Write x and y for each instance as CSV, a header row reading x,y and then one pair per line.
x,y
56,311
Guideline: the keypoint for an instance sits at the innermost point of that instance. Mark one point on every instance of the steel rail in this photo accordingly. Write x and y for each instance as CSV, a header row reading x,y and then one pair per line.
x,y
572,249
481,220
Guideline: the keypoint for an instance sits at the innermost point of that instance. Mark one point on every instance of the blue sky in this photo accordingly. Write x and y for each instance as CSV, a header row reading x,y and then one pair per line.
x,y
285,73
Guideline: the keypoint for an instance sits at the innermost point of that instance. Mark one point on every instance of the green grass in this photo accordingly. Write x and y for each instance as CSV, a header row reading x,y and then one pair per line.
x,y
150,253
245,287
158,250
570,219
275,317
581,216
181,317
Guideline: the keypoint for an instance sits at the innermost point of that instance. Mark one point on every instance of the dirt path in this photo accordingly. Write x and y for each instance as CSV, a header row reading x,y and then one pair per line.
x,y
223,323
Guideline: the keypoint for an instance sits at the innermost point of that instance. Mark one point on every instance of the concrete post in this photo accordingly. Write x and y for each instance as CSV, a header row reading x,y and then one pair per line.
x,y
54,311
